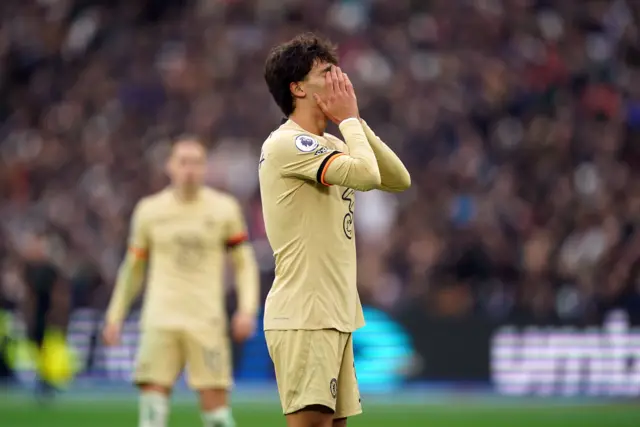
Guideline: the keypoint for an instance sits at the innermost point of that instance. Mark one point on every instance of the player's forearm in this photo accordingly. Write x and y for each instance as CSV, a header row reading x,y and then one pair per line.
x,y
358,170
394,176
247,278
127,288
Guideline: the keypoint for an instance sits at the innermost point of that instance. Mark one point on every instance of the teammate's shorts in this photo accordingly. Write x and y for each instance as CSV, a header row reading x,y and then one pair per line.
x,y
163,354
315,368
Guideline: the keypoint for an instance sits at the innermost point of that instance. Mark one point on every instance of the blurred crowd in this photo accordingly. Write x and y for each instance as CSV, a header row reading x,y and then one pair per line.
x,y
518,119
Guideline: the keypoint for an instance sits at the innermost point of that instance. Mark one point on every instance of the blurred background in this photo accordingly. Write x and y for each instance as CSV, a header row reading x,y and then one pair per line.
x,y
511,268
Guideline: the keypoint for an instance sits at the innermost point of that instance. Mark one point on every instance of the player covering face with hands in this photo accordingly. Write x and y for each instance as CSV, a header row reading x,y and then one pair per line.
x,y
308,181
338,99
182,235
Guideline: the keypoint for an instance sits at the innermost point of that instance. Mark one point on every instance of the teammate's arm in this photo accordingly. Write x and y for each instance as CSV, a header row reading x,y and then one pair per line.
x,y
131,271
394,176
247,277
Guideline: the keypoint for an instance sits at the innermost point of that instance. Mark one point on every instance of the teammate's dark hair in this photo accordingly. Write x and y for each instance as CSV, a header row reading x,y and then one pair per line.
x,y
291,62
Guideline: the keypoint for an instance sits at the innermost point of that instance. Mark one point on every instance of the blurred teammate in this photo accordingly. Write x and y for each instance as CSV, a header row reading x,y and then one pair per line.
x,y
307,182
184,232
47,302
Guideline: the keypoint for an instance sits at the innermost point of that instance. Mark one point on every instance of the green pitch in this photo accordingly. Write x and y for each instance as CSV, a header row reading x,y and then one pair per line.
x,y
21,412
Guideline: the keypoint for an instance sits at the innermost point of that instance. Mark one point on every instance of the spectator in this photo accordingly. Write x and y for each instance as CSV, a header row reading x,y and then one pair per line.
x,y
518,119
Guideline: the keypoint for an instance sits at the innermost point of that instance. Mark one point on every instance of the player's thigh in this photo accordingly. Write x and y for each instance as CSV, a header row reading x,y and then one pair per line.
x,y
208,356
307,365
160,358
348,400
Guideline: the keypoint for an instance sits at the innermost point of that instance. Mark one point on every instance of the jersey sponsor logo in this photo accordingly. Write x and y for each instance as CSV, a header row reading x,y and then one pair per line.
x,y
333,387
189,250
211,359
306,144
347,222
322,150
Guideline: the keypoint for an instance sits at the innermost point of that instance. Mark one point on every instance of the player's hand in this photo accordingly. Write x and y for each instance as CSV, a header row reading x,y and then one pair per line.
x,y
339,102
111,334
243,326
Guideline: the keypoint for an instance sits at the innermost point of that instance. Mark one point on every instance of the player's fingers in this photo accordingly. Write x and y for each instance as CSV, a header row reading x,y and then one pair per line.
x,y
349,85
342,86
243,330
323,107
111,336
320,102
334,79
328,83
238,335
328,77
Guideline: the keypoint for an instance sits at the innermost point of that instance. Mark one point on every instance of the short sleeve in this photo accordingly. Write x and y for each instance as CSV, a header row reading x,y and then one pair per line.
x,y
302,156
236,227
138,233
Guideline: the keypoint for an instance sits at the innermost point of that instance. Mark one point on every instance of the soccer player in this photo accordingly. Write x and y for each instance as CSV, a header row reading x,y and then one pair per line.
x,y
47,300
184,232
308,180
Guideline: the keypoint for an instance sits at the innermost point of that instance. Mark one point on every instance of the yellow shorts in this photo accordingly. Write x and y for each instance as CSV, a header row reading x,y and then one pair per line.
x,y
163,354
315,368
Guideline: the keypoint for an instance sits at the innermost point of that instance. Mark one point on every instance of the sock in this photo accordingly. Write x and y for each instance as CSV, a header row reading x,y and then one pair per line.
x,y
220,417
154,408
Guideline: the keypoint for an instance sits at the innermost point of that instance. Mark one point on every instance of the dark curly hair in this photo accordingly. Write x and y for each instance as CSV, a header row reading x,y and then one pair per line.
x,y
291,62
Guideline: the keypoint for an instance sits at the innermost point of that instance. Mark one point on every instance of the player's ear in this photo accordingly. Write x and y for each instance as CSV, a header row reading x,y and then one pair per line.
x,y
297,90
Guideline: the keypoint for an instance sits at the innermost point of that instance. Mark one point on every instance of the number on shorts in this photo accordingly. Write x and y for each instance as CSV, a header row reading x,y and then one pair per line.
x,y
211,359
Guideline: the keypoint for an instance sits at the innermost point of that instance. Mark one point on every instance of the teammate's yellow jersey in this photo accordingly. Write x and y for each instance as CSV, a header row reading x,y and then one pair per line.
x,y
185,243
